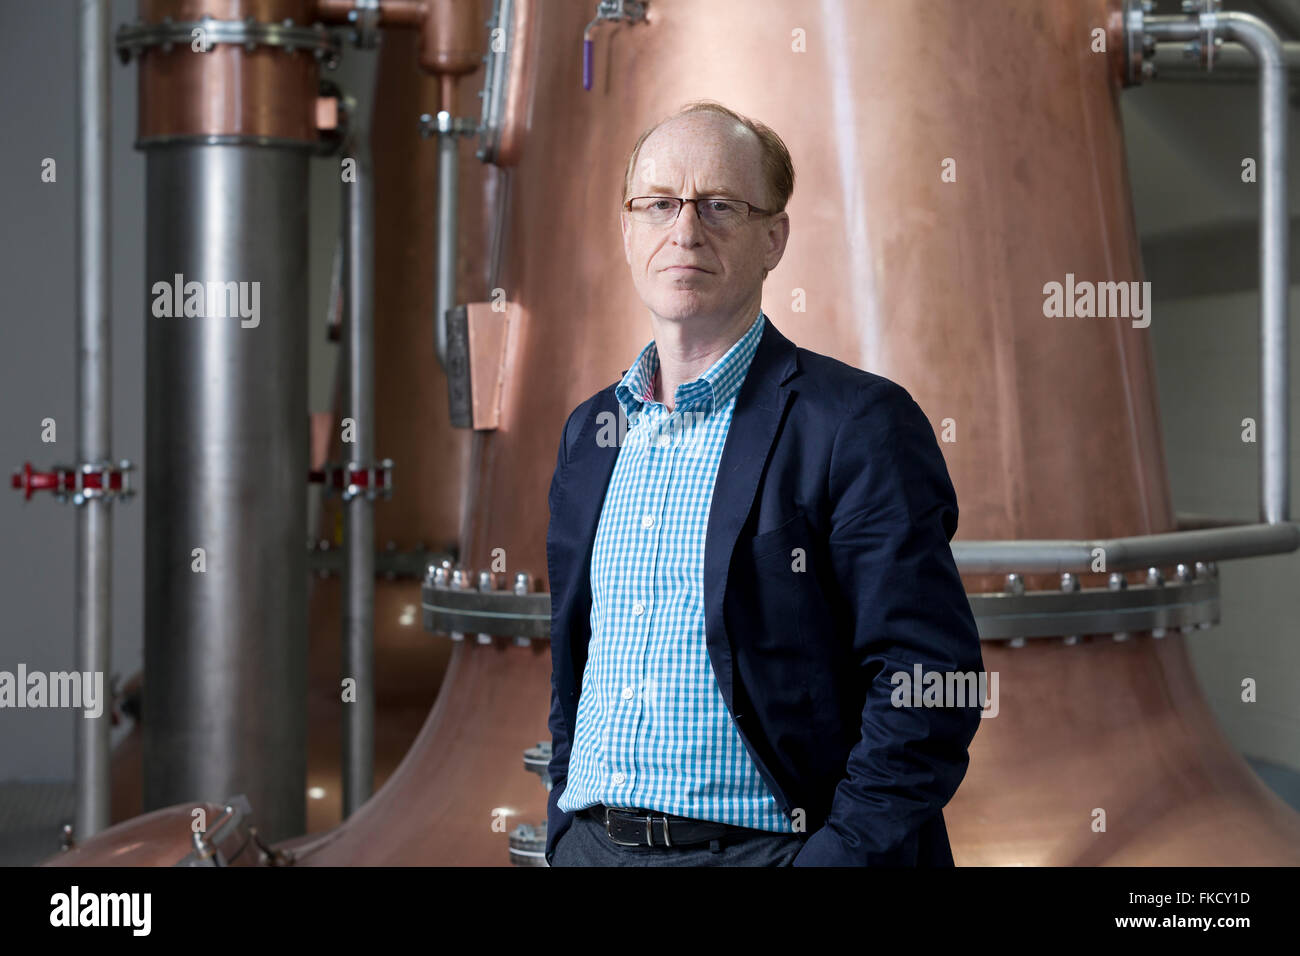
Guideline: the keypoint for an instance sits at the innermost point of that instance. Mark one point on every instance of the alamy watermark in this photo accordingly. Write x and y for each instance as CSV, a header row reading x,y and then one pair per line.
x,y
129,910
212,300
1085,300
75,689
946,689
678,429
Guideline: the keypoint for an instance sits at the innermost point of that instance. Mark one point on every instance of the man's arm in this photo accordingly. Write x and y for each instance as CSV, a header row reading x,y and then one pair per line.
x,y
894,512
558,767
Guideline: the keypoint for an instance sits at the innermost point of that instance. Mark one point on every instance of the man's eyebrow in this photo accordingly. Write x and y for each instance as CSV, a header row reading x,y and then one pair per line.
x,y
663,190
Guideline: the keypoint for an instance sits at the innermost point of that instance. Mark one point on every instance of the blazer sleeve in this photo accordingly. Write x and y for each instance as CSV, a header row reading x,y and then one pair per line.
x,y
558,768
893,514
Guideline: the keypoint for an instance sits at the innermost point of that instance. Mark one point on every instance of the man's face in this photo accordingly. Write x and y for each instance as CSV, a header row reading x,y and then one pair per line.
x,y
691,156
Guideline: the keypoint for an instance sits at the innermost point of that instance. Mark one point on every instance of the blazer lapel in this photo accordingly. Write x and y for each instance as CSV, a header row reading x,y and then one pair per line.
x,y
760,406
590,465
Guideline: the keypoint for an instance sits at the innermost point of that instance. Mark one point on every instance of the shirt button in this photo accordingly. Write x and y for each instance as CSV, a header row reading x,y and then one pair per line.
x,y
663,441
628,692
648,521
638,608
619,778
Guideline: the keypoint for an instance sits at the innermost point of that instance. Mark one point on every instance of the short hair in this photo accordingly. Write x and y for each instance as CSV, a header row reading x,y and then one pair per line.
x,y
778,170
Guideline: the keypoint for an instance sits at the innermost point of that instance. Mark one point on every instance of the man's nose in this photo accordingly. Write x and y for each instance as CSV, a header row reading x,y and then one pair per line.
x,y
688,228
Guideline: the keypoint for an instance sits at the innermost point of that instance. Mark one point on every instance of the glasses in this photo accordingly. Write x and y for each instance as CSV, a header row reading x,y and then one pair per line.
x,y
715,212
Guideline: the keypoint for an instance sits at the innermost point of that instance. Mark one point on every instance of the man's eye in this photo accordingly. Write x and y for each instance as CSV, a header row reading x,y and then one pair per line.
x,y
721,205
660,204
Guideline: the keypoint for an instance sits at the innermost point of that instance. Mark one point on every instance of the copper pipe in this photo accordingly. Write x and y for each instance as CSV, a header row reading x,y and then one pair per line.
x,y
450,31
392,13
514,119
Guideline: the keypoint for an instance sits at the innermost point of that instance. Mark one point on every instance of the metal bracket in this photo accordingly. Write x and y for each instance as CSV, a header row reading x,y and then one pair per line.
x,y
364,17
207,845
1190,601
169,34
450,605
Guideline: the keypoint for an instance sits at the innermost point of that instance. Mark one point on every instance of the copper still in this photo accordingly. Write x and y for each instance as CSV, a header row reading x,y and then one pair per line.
x,y
952,158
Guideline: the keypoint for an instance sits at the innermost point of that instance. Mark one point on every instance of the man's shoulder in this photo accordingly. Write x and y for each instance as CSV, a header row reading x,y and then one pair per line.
x,y
834,387
603,399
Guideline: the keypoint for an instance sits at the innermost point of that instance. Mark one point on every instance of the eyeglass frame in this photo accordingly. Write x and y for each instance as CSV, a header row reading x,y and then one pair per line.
x,y
682,201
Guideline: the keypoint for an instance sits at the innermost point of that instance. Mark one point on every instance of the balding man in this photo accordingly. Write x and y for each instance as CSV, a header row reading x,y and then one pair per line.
x,y
749,542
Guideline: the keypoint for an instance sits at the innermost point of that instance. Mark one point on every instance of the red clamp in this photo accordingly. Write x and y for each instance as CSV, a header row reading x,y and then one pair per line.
x,y
374,481
81,483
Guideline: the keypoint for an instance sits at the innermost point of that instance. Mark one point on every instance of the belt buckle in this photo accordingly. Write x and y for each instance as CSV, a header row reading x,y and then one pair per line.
x,y
649,831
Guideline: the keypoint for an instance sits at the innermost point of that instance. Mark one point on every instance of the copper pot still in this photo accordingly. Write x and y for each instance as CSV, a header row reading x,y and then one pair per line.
x,y
935,284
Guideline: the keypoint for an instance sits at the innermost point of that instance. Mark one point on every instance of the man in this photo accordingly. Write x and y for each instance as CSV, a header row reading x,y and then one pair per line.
x,y
748,543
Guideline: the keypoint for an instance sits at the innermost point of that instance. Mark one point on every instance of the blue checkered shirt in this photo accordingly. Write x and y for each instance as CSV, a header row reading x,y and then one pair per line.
x,y
653,730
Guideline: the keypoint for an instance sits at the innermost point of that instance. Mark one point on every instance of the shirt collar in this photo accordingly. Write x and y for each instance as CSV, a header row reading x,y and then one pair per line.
x,y
713,388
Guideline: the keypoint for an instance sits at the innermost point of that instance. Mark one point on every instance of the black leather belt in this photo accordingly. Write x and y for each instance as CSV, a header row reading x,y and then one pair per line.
x,y
634,826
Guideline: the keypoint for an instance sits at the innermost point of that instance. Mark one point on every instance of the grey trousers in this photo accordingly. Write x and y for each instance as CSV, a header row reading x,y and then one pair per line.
x,y
585,843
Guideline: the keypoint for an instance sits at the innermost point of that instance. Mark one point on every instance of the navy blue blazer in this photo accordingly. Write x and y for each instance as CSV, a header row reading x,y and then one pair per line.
x,y
843,464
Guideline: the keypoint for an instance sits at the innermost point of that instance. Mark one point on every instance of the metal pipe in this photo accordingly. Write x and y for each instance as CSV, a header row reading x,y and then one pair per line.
x,y
227,454
1232,61
1126,554
448,218
359,516
93,618
1258,37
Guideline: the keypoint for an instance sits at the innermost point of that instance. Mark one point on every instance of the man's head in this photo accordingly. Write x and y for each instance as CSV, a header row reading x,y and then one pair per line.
x,y
706,150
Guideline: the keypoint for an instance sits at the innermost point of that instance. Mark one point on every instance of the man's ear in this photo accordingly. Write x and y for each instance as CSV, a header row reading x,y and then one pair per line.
x,y
778,236
627,239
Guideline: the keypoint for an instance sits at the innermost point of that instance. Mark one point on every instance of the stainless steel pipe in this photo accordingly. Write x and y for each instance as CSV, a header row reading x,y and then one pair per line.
x,y
1258,37
444,293
93,613
1263,43
1277,534
1126,554
1231,61
359,515
227,461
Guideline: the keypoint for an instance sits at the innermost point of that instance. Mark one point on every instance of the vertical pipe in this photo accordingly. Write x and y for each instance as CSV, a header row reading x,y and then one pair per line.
x,y
94,517
225,687
448,216
1260,39
359,528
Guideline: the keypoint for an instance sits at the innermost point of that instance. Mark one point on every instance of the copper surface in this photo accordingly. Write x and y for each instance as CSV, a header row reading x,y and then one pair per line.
x,y
327,112
489,333
228,91
392,13
462,787
936,285
452,37
161,838
519,80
